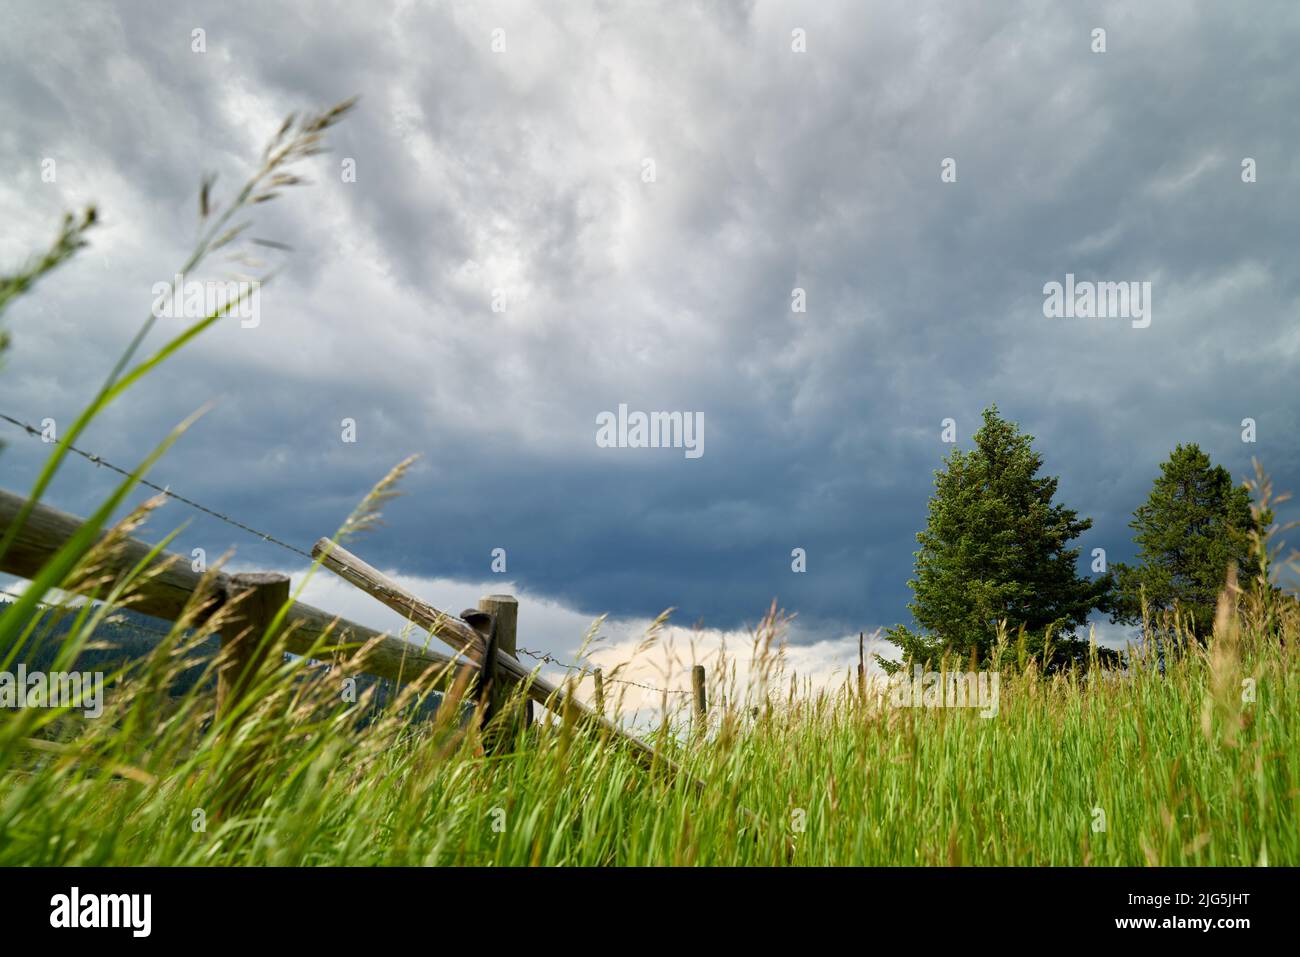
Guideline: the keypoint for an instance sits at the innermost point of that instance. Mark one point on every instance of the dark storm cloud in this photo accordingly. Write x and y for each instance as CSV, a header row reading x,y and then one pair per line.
x,y
521,171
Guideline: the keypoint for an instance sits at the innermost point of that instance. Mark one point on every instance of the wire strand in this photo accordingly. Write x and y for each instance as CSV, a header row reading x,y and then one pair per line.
x,y
549,659
100,461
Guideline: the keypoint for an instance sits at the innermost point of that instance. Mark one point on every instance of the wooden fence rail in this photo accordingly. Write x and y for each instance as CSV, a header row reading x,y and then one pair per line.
x,y
165,594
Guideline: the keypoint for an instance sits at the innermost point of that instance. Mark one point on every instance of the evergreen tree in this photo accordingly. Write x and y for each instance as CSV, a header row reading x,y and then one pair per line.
x,y
1195,522
994,550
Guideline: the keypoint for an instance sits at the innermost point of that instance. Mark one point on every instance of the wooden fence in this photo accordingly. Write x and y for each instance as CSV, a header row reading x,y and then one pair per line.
x,y
258,597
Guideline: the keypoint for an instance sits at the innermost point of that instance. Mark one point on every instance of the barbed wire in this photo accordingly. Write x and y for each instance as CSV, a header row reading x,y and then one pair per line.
x,y
100,461
549,659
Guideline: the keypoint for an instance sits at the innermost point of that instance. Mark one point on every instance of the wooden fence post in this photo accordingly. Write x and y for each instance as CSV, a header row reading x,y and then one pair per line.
x,y
505,608
261,596
862,673
701,701
264,594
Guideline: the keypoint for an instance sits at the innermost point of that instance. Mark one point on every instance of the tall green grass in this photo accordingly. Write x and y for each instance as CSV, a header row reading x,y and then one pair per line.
x,y
1133,768
1087,767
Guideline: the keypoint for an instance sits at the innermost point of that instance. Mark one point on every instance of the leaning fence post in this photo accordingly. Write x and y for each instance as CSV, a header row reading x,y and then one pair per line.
x,y
701,702
244,634
505,608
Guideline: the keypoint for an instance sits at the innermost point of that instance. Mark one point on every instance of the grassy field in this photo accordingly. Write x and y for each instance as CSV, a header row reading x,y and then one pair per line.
x,y
1132,768
1199,765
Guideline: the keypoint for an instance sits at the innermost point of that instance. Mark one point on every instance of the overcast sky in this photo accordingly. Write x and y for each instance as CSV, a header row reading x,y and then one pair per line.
x,y
641,187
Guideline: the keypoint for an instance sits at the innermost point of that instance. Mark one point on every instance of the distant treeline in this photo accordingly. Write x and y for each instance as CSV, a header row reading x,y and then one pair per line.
x,y
127,636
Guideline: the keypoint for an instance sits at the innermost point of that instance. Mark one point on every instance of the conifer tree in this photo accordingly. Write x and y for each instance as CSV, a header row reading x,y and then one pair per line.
x,y
995,549
1192,526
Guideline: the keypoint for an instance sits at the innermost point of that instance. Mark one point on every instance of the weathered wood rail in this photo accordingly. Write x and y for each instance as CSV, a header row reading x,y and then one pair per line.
x,y
166,594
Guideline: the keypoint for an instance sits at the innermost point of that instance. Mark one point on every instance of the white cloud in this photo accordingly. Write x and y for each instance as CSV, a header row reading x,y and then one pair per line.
x,y
632,652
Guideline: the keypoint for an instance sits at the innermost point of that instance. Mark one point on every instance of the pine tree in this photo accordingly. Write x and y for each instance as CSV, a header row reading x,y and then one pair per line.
x,y
1192,526
994,550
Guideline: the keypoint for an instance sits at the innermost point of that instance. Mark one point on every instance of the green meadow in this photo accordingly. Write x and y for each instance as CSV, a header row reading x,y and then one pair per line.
x,y
1194,762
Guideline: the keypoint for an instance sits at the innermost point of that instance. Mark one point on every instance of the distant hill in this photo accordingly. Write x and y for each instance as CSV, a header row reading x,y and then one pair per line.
x,y
131,636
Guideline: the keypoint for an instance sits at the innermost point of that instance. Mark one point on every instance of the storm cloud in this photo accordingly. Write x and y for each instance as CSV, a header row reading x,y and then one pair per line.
x,y
640,190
